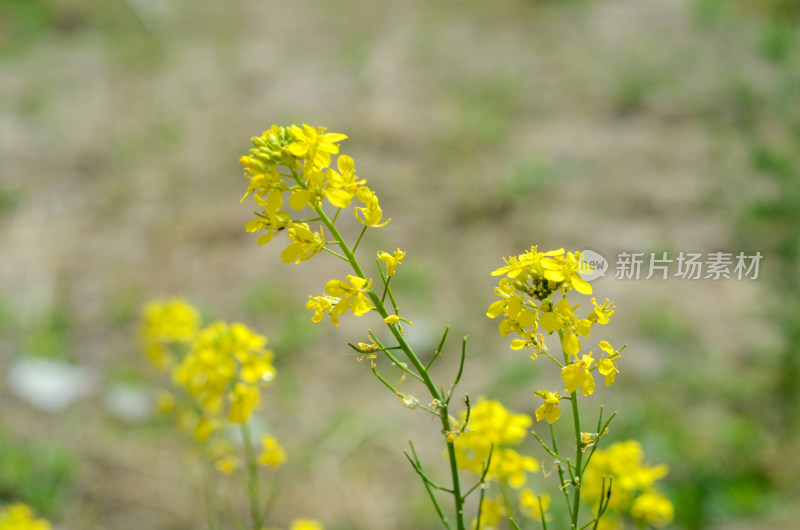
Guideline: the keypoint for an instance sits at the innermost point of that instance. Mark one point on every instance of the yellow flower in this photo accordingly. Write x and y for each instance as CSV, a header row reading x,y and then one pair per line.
x,y
203,429
227,464
351,294
321,305
532,505
549,409
371,213
271,219
244,399
306,524
493,428
272,454
167,321
578,375
653,509
222,357
20,517
342,186
606,365
315,144
391,260
602,312
492,513
305,244
312,192
624,461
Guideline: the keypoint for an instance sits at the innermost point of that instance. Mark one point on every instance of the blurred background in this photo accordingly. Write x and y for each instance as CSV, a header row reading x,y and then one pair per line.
x,y
485,128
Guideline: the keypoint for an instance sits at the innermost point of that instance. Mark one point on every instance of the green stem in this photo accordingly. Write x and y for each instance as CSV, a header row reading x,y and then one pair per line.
x,y
563,485
412,357
576,420
252,477
578,460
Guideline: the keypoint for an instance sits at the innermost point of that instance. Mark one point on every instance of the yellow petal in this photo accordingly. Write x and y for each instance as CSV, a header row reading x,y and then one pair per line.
x,y
550,321
570,344
361,305
581,285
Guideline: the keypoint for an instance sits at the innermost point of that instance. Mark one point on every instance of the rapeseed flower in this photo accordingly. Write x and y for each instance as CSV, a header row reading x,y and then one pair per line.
x,y
272,454
632,478
578,375
493,429
315,144
391,260
352,295
305,244
549,409
19,516
532,505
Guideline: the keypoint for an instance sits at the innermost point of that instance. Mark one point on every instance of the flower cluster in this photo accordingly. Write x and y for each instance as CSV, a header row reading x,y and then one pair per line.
x,y
297,161
492,428
530,282
19,516
633,491
493,510
218,370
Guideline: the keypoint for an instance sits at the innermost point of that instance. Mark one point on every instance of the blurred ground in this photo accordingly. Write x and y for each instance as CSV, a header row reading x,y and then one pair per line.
x,y
484,128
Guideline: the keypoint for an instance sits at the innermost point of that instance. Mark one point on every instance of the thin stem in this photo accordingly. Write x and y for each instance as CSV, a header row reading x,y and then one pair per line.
x,y
460,369
541,513
563,487
483,475
252,477
410,354
329,251
403,366
438,351
358,241
576,420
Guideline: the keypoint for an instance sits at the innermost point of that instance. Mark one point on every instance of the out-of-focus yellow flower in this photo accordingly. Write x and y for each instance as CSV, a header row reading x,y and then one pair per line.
x,y
227,464
170,321
530,505
165,322
306,524
491,425
578,375
624,461
19,516
391,260
549,409
226,363
272,454
492,512
244,399
203,429
653,509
